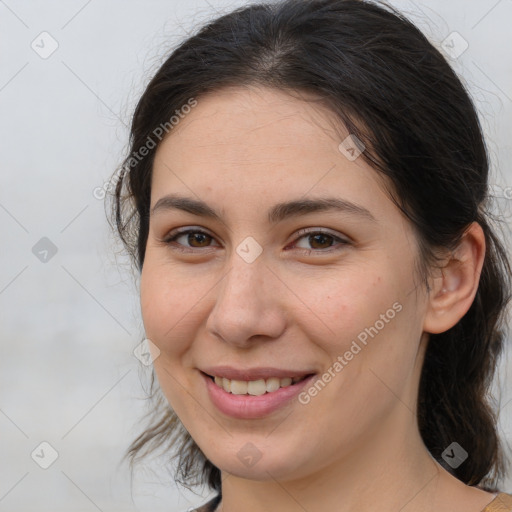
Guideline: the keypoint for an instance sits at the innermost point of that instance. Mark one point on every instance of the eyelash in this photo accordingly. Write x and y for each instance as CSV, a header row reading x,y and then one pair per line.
x,y
169,240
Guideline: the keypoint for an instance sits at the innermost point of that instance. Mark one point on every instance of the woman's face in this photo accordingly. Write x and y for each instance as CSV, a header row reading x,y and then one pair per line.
x,y
306,268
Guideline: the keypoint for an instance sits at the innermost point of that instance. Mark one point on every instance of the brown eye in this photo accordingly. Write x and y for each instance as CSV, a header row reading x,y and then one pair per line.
x,y
320,239
198,237
320,242
190,239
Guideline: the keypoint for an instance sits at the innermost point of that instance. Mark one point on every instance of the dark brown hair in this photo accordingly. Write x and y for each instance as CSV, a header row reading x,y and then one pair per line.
x,y
392,89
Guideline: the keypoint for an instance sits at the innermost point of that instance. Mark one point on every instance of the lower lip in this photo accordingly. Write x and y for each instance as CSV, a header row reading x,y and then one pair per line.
x,y
248,406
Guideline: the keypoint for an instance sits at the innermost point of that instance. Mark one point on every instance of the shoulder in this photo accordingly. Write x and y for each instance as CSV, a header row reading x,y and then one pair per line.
x,y
502,503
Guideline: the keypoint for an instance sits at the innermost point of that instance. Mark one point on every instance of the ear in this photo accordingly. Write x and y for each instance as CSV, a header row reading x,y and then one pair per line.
x,y
453,291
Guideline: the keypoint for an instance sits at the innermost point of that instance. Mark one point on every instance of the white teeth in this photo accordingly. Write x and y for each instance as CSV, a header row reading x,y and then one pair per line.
x,y
286,382
273,384
255,387
239,387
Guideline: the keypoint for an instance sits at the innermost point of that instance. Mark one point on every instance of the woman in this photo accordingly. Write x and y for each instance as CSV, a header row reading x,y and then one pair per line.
x,y
321,287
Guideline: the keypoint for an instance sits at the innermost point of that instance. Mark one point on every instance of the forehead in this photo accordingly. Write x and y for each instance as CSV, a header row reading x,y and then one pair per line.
x,y
250,105
244,124
261,140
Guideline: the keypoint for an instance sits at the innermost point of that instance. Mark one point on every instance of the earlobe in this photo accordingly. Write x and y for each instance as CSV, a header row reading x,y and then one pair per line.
x,y
453,292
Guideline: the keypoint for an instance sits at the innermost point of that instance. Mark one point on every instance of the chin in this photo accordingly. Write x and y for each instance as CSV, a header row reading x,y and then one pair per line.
x,y
253,463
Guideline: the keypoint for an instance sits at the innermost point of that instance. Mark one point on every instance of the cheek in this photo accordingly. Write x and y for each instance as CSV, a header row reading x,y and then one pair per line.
x,y
378,329
369,319
343,306
168,307
169,317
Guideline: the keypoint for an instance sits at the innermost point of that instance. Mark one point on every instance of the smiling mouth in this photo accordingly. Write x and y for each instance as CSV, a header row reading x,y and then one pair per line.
x,y
255,387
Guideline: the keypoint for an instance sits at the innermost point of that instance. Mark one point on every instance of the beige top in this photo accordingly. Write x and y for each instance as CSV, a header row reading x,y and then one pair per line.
x,y
502,503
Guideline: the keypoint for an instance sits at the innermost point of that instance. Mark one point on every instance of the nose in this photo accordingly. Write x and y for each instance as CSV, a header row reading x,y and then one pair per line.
x,y
247,304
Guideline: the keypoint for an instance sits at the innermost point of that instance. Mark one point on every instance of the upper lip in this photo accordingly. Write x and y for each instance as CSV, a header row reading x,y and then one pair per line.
x,y
253,373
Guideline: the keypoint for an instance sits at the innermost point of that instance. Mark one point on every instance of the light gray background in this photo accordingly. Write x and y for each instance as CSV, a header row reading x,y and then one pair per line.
x,y
68,326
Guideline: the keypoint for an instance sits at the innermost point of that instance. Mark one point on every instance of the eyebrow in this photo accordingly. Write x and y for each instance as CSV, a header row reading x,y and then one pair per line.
x,y
276,214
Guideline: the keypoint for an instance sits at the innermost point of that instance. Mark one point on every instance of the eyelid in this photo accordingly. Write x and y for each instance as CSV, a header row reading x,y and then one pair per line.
x,y
340,241
186,229
314,230
175,233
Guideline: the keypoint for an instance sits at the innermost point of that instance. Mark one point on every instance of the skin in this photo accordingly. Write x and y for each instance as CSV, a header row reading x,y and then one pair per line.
x,y
356,443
